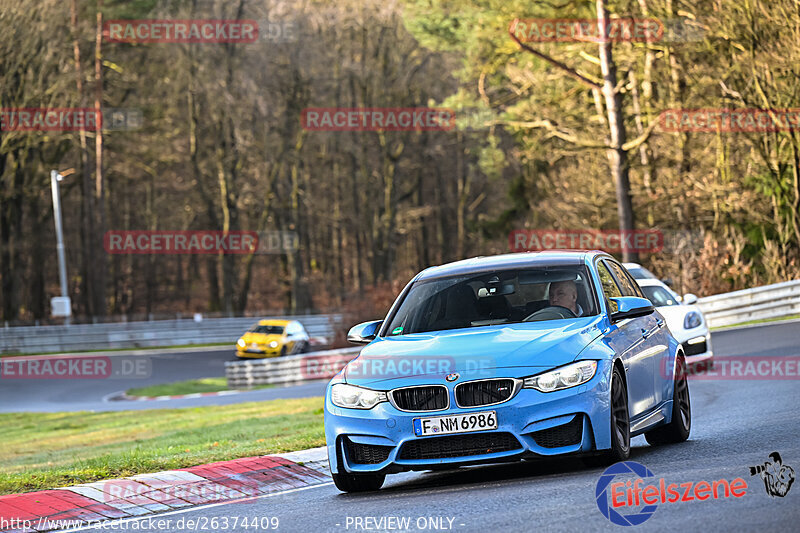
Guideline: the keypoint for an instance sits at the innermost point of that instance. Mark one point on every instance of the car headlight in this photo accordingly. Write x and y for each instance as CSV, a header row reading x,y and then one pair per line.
x,y
562,378
241,343
692,320
352,397
273,344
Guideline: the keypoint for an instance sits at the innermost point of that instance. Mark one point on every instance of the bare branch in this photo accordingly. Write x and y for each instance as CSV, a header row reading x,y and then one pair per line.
x,y
553,131
633,144
566,68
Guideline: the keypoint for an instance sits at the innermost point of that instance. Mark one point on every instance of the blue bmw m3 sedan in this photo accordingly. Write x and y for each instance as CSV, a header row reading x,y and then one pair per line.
x,y
506,358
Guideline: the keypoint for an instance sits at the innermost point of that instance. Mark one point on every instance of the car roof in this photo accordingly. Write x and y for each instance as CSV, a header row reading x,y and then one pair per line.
x,y
476,265
650,282
273,322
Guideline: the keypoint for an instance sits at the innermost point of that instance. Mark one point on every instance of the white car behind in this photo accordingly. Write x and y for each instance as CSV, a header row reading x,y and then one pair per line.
x,y
684,319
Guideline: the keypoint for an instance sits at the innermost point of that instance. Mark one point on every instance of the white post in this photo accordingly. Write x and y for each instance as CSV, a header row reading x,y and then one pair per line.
x,y
62,307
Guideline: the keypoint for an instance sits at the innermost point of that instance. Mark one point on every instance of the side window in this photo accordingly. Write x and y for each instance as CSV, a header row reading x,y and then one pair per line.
x,y
610,289
628,286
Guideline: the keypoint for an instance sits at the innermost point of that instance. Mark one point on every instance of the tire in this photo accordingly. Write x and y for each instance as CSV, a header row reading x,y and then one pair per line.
x,y
358,482
620,425
681,424
283,351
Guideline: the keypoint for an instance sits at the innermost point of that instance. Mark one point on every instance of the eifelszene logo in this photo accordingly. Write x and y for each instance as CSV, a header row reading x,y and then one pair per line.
x,y
632,492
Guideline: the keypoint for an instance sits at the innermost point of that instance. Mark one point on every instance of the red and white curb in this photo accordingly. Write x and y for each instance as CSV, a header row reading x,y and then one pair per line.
x,y
126,397
145,494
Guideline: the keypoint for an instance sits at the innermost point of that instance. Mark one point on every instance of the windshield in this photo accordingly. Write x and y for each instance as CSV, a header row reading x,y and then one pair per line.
x,y
267,330
640,273
474,300
659,296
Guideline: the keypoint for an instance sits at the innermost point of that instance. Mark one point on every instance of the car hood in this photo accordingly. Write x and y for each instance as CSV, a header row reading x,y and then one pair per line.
x,y
509,350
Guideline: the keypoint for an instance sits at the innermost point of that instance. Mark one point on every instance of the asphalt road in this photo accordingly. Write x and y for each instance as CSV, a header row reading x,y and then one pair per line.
x,y
736,425
137,369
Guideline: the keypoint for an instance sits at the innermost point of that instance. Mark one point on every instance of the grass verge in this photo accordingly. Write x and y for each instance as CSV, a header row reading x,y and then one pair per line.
x,y
191,386
47,450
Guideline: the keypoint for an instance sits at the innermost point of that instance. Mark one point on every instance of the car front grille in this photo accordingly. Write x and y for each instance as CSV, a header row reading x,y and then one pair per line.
x,y
694,349
366,454
426,398
485,392
458,446
567,434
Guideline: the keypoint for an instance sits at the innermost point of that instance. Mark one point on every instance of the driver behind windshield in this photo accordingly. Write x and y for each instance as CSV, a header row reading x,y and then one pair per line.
x,y
565,294
483,299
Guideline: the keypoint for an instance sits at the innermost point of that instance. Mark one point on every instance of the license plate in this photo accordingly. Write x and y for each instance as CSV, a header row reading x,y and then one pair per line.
x,y
442,425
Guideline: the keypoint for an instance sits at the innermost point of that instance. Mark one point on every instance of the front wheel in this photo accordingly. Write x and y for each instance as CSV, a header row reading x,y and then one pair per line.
x,y
358,482
681,424
620,425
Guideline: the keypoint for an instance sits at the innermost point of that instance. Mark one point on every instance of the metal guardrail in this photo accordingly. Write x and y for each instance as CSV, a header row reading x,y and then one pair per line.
x,y
26,339
288,369
770,301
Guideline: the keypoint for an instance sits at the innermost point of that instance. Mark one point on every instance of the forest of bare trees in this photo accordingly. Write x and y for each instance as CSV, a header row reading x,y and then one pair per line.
x,y
548,135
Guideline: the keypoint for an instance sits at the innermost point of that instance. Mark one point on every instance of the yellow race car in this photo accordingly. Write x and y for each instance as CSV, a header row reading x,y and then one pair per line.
x,y
273,338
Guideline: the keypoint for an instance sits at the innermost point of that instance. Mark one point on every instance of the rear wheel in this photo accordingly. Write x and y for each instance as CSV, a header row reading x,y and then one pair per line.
x,y
620,425
358,482
681,424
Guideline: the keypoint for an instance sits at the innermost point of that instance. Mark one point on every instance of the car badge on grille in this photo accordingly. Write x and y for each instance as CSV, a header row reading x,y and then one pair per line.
x,y
452,377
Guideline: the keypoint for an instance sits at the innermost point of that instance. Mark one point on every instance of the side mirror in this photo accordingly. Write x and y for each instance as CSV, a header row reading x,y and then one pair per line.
x,y
667,281
630,307
689,299
364,333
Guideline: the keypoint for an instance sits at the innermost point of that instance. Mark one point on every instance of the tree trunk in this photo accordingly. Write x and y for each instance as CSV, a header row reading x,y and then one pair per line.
x,y
88,282
617,156
99,258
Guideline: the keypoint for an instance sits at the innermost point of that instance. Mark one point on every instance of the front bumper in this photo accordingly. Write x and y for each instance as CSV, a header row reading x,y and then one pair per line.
x,y
258,353
530,424
697,347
